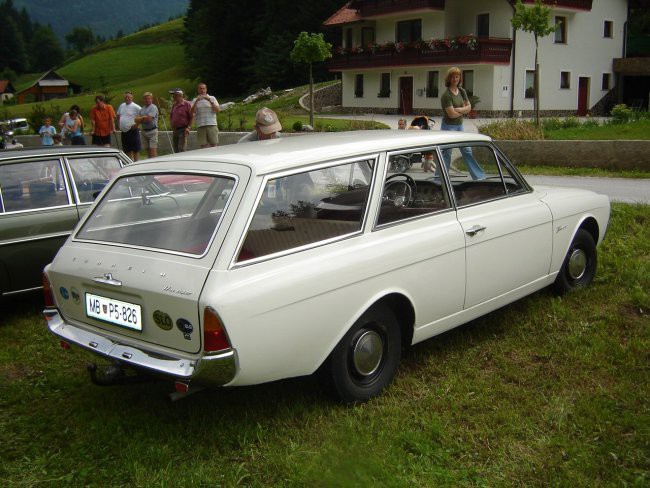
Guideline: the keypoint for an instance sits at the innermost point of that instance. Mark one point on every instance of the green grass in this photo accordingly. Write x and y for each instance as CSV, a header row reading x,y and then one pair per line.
x,y
575,171
545,392
638,130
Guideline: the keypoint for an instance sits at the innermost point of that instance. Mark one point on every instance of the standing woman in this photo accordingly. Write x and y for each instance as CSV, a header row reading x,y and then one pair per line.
x,y
455,104
73,127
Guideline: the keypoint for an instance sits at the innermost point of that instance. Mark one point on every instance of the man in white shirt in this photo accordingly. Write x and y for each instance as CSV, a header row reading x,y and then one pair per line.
x,y
126,114
204,110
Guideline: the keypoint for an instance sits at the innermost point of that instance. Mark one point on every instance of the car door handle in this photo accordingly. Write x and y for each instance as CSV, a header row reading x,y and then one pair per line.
x,y
475,230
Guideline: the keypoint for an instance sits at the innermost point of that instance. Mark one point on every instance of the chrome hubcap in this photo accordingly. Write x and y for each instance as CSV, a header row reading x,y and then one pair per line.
x,y
367,353
577,264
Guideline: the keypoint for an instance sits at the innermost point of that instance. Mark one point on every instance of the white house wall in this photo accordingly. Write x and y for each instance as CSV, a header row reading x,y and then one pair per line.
x,y
587,53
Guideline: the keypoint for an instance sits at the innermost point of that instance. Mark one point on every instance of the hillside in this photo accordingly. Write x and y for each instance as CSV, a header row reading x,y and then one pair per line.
x,y
149,60
104,17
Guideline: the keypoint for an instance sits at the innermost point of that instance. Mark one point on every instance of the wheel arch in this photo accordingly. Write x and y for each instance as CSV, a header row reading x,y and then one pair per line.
x,y
404,312
590,224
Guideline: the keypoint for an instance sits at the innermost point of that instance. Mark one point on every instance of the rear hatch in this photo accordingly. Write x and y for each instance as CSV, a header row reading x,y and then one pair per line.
x,y
135,268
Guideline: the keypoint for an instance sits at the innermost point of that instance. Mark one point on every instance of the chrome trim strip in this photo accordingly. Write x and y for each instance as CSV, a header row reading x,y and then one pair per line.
x,y
31,239
25,290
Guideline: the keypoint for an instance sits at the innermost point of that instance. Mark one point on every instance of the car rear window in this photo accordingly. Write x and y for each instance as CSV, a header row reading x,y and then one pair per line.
x,y
177,212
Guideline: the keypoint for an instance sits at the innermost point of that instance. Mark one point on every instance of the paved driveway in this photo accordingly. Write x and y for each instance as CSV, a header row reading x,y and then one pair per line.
x,y
624,190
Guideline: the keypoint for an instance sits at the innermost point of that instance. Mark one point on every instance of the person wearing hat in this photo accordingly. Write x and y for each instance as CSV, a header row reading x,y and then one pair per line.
x,y
267,126
180,117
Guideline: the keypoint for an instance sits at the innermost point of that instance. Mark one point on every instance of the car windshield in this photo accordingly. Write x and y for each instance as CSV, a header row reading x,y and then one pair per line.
x,y
176,212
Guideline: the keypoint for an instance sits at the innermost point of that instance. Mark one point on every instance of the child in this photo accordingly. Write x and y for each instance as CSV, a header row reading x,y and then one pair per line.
x,y
57,140
47,132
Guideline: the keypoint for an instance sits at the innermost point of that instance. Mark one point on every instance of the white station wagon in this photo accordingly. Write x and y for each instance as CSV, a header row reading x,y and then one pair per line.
x,y
327,253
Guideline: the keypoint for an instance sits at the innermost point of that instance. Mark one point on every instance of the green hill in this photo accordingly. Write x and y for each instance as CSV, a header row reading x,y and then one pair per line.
x,y
149,60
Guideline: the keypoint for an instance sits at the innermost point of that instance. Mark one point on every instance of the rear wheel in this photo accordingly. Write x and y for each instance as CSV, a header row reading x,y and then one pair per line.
x,y
365,360
579,266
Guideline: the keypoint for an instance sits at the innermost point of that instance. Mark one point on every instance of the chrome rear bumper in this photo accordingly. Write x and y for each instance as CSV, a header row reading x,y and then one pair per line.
x,y
210,370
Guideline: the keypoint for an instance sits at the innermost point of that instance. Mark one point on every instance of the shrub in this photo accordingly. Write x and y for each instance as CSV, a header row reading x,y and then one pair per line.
x,y
37,116
621,114
297,126
513,130
570,122
551,123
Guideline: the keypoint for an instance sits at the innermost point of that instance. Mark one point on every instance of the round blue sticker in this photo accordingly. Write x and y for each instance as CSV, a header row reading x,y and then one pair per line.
x,y
64,293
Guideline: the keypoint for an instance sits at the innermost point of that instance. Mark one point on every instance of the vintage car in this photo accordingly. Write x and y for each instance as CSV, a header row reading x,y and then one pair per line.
x,y
254,262
43,192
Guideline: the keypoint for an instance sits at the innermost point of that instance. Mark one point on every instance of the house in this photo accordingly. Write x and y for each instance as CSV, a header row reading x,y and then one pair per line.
x,y
7,90
49,86
394,54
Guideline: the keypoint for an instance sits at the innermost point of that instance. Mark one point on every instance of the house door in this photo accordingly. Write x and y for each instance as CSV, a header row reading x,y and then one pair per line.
x,y
583,96
406,95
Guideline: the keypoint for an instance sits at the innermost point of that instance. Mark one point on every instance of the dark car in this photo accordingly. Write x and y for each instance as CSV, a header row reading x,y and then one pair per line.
x,y
43,193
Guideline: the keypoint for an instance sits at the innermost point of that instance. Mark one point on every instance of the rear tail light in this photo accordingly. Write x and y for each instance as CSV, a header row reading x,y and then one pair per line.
x,y
48,296
214,334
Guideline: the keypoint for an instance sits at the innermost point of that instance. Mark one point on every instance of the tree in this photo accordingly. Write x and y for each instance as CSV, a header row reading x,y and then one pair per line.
x,y
80,38
310,49
535,20
45,49
13,52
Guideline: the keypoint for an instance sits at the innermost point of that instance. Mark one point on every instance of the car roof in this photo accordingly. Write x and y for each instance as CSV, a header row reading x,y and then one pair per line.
x,y
56,151
291,152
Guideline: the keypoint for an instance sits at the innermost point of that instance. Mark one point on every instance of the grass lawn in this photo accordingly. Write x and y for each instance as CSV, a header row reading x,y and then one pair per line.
x,y
575,171
545,392
638,130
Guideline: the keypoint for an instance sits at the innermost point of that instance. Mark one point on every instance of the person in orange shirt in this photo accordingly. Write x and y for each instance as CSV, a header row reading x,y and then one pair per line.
x,y
102,117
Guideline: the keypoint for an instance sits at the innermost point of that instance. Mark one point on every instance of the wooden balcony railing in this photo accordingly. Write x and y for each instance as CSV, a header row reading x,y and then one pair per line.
x,y
487,50
575,4
370,8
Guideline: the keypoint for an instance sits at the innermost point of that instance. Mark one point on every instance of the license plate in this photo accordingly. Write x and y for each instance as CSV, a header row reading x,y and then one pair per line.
x,y
117,312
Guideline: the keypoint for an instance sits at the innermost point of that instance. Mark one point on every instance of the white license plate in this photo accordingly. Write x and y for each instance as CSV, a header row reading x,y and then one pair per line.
x,y
114,311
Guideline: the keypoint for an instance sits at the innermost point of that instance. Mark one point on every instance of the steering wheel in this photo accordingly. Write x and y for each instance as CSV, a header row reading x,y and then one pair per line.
x,y
399,193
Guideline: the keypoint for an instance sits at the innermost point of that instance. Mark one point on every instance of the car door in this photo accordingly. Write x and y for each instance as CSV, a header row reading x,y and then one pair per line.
x,y
416,212
508,231
37,217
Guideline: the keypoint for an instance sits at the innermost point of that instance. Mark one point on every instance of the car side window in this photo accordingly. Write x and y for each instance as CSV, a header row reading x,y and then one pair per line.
x,y
308,207
32,185
412,188
91,174
474,174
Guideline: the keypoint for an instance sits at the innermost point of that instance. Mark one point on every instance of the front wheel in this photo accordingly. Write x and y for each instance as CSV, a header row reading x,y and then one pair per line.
x,y
579,266
365,360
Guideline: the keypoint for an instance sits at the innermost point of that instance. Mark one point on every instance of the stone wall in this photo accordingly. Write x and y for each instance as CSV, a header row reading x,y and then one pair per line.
x,y
329,98
616,155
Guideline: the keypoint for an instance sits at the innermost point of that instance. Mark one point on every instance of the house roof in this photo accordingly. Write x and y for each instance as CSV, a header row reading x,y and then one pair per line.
x,y
344,15
6,87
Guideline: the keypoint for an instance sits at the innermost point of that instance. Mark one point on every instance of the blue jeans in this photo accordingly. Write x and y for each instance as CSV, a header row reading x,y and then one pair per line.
x,y
473,167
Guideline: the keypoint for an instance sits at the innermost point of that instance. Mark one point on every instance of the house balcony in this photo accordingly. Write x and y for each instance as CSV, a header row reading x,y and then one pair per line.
x,y
373,8
434,52
570,4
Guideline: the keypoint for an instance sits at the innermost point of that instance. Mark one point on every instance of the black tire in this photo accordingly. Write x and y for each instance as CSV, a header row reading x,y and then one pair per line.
x,y
365,360
579,266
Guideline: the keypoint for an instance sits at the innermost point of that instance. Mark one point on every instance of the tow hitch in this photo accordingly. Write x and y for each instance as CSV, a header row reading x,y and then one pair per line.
x,y
113,374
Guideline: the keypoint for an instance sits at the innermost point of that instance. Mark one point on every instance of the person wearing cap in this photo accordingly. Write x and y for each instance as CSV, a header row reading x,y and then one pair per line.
x,y
181,119
148,118
204,110
126,114
267,126
102,117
